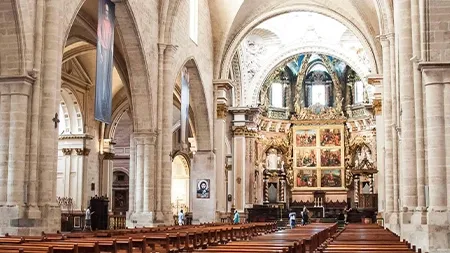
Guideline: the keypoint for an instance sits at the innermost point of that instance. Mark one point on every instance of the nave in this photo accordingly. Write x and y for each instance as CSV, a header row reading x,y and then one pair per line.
x,y
217,237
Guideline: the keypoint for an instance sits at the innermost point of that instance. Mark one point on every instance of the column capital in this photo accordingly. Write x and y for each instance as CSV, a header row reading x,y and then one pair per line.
x,y
435,72
107,156
82,151
223,84
67,151
221,111
145,138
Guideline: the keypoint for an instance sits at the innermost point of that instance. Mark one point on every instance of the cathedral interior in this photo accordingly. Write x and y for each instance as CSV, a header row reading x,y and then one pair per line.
x,y
263,107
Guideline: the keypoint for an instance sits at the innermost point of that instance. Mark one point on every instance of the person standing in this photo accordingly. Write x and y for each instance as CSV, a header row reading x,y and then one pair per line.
x,y
236,217
346,214
305,216
181,218
87,224
292,216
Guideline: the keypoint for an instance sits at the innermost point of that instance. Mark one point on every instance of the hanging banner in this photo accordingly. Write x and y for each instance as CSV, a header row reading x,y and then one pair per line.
x,y
105,46
184,105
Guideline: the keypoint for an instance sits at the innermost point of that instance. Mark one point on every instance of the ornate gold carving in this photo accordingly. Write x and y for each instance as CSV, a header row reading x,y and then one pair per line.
x,y
222,111
316,113
243,131
82,151
108,156
377,106
67,151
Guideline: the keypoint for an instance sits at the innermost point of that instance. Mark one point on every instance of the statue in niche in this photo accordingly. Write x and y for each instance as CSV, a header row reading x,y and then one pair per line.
x,y
272,159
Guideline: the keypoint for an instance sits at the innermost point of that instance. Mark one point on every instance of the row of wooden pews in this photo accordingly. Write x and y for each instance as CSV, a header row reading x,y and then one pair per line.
x,y
138,240
365,238
299,240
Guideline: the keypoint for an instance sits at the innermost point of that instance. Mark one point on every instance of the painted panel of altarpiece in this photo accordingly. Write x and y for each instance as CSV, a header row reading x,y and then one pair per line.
x,y
318,157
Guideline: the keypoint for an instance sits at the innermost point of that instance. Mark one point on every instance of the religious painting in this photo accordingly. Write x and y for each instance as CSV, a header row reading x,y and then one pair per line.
x,y
331,178
203,189
305,138
306,158
104,67
330,137
330,157
306,178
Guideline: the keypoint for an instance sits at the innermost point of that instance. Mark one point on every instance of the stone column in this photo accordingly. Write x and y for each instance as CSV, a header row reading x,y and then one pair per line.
x,y
435,77
388,125
106,178
48,136
240,130
407,123
132,183
5,107
395,141
164,214
142,172
220,132
67,152
418,104
203,168
84,185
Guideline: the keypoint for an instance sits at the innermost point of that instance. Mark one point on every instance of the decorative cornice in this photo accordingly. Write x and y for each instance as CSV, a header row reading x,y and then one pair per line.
x,y
243,131
82,151
433,65
75,136
374,79
223,84
15,79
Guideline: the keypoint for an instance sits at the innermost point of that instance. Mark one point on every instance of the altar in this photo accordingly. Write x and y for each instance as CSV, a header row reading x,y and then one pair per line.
x,y
312,149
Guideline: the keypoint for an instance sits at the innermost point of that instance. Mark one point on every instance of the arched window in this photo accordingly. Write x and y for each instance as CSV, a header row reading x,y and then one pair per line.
x,y
318,87
277,95
193,20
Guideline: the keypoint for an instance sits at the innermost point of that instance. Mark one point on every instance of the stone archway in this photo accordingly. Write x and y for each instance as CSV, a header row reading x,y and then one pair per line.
x,y
180,196
203,165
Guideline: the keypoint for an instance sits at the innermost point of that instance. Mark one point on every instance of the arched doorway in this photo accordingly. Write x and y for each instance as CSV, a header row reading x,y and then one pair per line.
x,y
180,184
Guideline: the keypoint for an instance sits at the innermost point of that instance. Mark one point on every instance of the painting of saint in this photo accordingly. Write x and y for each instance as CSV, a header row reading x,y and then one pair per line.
x,y
331,178
203,189
306,178
306,158
330,157
305,138
330,137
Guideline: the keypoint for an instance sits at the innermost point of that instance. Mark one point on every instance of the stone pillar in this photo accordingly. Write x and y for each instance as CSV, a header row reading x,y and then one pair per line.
x,y
164,214
388,125
408,122
220,131
84,185
143,175
393,220
203,168
107,164
132,183
14,92
240,131
48,136
420,216
435,77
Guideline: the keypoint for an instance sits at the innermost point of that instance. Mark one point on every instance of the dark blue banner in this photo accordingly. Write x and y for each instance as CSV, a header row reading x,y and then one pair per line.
x,y
105,46
184,105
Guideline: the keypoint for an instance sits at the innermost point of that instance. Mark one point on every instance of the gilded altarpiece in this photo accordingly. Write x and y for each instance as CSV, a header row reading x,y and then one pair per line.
x,y
318,155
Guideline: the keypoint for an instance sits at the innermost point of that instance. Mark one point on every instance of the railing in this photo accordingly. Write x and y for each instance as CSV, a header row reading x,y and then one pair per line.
x,y
117,222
